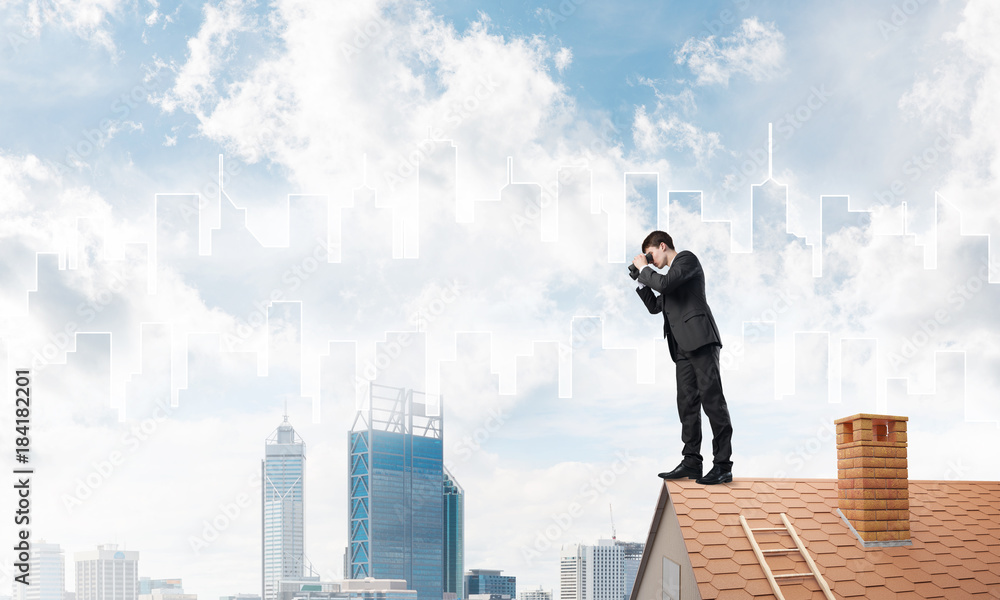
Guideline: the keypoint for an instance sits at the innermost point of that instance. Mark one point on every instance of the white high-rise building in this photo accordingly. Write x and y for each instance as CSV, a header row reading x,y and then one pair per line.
x,y
592,572
632,554
107,574
535,594
283,544
48,574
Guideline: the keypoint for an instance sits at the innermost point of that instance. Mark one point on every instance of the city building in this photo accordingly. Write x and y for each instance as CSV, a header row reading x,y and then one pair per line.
x,y
592,572
377,589
490,583
535,594
168,594
307,588
283,505
163,589
454,538
631,557
241,597
147,585
48,574
107,574
395,497
311,588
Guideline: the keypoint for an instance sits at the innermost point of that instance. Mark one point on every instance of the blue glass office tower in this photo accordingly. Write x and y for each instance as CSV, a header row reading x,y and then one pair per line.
x,y
395,492
454,536
282,474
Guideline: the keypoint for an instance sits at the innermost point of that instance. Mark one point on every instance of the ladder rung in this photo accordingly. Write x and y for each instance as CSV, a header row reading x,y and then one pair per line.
x,y
770,529
790,575
779,550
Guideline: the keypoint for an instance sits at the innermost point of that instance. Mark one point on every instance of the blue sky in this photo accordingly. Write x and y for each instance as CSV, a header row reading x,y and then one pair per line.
x,y
365,156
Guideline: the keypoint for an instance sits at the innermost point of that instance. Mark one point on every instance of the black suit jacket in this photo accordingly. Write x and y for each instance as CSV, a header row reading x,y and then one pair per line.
x,y
688,323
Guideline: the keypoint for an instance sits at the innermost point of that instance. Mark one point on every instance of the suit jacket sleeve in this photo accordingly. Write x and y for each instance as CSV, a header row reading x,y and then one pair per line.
x,y
649,299
684,268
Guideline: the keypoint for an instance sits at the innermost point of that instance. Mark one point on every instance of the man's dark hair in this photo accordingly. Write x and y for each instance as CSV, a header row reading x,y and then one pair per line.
x,y
656,238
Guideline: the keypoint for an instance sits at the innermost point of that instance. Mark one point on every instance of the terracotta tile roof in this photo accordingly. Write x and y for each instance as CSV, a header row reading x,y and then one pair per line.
x,y
954,551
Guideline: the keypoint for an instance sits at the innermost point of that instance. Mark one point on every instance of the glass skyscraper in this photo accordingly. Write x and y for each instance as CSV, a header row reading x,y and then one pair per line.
x,y
282,474
395,493
454,536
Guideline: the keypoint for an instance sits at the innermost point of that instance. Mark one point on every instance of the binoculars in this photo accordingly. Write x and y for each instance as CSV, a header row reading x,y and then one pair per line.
x,y
633,272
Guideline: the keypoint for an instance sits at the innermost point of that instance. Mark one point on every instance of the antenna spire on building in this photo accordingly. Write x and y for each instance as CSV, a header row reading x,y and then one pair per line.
x,y
770,151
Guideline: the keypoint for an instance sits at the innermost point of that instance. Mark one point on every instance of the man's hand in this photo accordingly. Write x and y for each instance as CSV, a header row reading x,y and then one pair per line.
x,y
640,261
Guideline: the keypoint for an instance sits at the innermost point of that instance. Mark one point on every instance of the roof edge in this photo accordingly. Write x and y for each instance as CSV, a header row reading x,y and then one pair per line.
x,y
661,504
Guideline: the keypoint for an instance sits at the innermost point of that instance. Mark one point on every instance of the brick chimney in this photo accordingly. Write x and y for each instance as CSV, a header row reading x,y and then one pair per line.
x,y
872,481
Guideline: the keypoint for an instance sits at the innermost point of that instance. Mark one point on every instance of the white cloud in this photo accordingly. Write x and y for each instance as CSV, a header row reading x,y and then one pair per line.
x,y
352,79
756,49
207,52
88,19
563,58
939,96
958,96
652,135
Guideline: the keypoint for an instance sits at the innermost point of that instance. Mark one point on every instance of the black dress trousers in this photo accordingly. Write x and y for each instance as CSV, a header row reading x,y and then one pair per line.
x,y
699,386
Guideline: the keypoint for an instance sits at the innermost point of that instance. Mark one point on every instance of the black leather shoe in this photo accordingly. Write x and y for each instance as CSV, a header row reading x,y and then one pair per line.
x,y
716,476
681,472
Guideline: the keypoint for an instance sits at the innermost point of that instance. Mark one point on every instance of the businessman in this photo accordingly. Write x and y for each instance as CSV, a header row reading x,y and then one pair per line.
x,y
694,342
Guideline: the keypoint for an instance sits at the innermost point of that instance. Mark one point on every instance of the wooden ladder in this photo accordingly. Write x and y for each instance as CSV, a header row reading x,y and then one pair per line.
x,y
799,547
